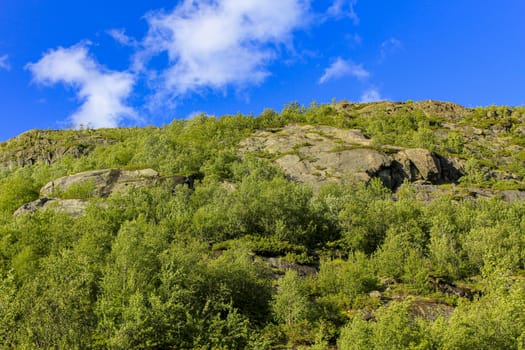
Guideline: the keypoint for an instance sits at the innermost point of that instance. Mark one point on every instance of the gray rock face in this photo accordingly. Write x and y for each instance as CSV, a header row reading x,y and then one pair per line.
x,y
320,154
305,139
48,146
419,164
104,182
359,164
73,207
429,192
283,265
101,183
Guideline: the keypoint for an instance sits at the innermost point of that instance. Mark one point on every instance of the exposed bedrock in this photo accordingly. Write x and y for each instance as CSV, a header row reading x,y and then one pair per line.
x,y
320,154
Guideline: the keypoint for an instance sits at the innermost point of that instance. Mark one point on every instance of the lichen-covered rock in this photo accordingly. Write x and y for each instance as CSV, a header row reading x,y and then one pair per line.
x,y
49,146
318,154
357,164
103,182
429,192
359,160
419,164
304,139
73,207
100,183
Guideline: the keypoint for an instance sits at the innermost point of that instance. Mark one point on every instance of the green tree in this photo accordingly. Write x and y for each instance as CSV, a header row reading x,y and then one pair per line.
x,y
294,309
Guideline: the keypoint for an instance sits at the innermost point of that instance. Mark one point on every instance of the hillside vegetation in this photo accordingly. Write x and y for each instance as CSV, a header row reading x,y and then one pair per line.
x,y
340,226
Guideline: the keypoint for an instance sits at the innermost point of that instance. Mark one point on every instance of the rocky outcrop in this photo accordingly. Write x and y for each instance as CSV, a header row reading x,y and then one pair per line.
x,y
49,146
280,266
308,140
320,154
419,164
103,182
447,110
360,164
73,207
429,192
100,183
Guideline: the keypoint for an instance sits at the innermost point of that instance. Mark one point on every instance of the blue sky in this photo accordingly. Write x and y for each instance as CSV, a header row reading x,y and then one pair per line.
x,y
123,63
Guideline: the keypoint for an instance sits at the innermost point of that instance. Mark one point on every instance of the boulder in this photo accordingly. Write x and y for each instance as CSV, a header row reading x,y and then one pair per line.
x,y
100,183
104,182
451,168
299,169
73,207
419,164
359,160
375,294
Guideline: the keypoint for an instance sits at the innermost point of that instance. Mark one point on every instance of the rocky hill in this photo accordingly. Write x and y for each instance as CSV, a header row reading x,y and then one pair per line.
x,y
47,146
387,225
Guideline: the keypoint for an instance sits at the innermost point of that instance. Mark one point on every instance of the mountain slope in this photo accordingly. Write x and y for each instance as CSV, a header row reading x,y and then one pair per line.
x,y
381,225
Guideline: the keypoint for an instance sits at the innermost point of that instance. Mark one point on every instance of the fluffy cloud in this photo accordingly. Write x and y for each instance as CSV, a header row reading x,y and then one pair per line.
x,y
220,43
344,8
371,95
341,68
120,36
4,64
101,91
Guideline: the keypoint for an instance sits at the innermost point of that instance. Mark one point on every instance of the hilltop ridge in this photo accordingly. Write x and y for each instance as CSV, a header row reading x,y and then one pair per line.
x,y
493,137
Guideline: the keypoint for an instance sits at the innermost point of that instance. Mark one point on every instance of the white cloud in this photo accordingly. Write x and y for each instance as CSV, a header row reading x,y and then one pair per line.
x,y
371,95
122,38
220,43
4,64
344,8
389,46
341,68
101,91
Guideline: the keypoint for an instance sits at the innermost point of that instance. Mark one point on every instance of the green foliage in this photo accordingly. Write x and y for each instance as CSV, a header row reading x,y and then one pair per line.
x,y
10,310
402,255
392,329
345,281
291,302
362,219
495,321
258,207
475,174
356,335
445,247
454,143
402,127
293,307
16,189
83,190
